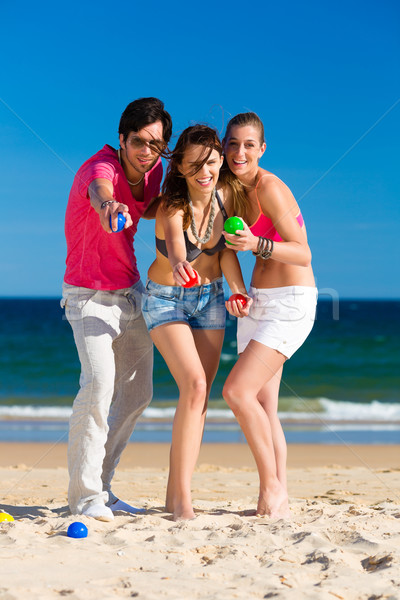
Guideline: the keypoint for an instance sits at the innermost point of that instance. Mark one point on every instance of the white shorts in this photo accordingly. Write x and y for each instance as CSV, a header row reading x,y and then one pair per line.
x,y
280,318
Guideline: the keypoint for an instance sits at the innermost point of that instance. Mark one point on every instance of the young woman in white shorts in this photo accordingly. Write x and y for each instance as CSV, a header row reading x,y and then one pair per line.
x,y
283,310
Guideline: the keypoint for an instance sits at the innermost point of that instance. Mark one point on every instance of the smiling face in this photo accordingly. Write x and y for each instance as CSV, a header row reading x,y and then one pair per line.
x,y
205,179
243,149
140,150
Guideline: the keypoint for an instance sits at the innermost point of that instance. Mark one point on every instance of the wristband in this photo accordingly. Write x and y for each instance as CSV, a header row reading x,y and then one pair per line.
x,y
264,248
106,203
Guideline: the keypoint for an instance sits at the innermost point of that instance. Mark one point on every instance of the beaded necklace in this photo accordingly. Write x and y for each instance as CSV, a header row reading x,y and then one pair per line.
x,y
210,224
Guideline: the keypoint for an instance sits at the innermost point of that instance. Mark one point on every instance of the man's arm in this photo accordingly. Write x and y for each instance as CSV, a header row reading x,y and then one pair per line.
x,y
102,200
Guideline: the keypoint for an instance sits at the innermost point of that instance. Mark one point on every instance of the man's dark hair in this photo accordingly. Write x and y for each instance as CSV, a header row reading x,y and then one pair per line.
x,y
142,112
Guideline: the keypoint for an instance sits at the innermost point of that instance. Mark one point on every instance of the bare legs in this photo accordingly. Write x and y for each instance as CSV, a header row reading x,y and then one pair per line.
x,y
251,391
268,398
192,357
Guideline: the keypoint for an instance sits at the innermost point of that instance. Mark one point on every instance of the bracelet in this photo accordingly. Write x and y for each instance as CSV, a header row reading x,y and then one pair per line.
x,y
265,247
106,203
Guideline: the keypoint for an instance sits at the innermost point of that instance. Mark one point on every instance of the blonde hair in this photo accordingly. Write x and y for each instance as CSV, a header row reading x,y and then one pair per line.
x,y
227,178
240,201
246,119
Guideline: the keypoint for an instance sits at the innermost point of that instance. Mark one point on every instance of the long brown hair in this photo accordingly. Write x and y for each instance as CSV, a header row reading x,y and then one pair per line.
x,y
174,189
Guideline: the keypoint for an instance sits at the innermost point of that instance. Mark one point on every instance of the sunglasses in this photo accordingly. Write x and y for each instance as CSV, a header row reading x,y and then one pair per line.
x,y
155,145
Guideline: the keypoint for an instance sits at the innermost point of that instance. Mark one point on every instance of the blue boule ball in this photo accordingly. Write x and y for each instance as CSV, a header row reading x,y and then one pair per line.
x,y
121,223
77,530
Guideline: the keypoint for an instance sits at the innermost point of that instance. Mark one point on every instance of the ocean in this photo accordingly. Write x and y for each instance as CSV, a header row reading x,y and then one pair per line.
x,y
342,386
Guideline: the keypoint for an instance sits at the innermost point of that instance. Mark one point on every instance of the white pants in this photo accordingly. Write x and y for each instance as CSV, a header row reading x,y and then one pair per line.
x,y
116,355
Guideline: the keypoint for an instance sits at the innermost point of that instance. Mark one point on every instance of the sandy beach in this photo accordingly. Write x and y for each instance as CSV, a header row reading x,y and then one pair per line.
x,y
342,541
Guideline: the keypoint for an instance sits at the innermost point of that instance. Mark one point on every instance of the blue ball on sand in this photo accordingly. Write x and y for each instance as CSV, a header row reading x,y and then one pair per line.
x,y
77,530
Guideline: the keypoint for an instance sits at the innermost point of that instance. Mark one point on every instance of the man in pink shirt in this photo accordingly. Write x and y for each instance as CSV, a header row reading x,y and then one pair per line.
x,y
102,298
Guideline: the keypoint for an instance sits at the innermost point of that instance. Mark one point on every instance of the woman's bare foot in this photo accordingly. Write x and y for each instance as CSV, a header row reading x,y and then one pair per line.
x,y
274,503
181,510
182,513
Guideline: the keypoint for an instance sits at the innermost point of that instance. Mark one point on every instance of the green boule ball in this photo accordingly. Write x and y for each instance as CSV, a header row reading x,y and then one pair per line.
x,y
231,225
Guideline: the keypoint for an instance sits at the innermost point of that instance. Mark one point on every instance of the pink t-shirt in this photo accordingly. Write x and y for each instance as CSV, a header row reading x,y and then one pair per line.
x,y
96,259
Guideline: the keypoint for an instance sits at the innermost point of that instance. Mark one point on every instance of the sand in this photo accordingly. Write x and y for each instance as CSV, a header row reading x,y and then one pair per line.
x,y
343,540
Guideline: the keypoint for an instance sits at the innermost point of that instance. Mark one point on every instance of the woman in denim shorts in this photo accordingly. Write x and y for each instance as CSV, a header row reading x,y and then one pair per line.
x,y
187,323
283,310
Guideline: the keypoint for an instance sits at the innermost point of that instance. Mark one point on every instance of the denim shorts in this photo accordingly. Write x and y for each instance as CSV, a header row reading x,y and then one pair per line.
x,y
202,306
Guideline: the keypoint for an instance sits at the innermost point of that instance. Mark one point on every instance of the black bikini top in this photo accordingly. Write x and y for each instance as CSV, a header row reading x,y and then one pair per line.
x,y
192,251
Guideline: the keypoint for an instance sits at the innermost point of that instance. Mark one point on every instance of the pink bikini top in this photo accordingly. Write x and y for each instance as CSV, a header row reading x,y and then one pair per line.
x,y
264,227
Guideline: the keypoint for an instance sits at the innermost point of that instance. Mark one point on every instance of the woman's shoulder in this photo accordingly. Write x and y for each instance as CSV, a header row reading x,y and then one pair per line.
x,y
223,189
166,211
272,192
270,184
267,180
225,193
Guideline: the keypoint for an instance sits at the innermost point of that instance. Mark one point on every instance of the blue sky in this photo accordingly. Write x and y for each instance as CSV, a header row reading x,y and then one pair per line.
x,y
323,76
